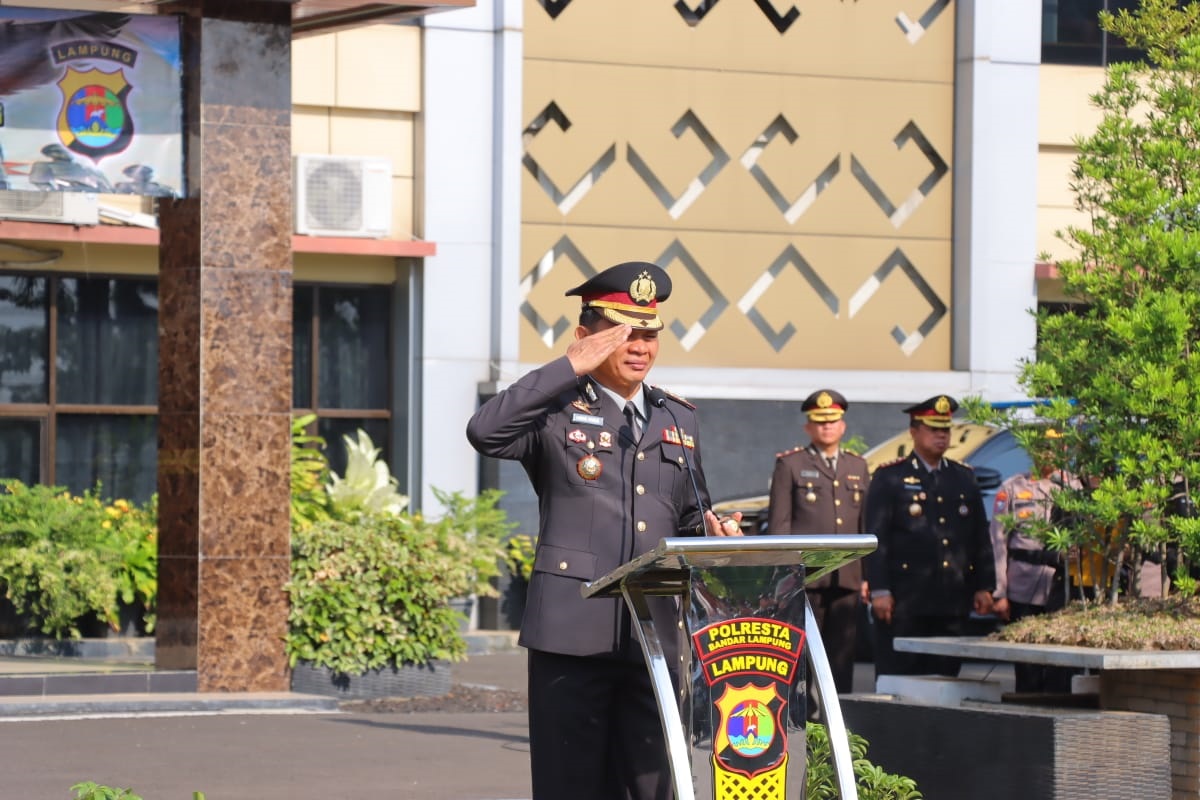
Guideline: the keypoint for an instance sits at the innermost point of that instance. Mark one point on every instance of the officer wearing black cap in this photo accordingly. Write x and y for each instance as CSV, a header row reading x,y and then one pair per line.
x,y
820,488
610,470
934,564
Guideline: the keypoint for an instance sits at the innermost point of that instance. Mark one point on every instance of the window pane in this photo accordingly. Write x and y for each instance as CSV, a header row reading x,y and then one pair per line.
x,y
302,308
353,362
1071,31
107,341
118,451
24,317
332,431
21,449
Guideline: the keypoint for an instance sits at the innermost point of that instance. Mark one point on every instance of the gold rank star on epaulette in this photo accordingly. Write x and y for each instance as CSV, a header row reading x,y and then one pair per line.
x,y
795,449
893,462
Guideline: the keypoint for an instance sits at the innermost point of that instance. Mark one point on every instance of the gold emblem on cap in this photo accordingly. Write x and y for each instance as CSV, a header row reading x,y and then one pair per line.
x,y
942,406
824,400
642,290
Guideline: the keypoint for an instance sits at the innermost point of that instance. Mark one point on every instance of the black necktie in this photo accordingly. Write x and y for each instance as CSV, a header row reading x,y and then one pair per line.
x,y
831,462
631,419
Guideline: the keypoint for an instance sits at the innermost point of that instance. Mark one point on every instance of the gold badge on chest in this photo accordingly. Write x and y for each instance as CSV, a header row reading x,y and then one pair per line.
x,y
589,468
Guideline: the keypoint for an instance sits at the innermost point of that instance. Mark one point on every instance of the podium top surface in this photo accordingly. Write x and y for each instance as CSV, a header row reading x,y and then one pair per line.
x,y
674,556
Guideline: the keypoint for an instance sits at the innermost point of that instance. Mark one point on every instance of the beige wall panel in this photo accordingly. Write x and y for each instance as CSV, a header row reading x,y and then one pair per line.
x,y
1051,221
310,130
828,38
331,268
1054,178
1064,108
612,109
403,223
379,67
730,309
314,68
374,133
100,259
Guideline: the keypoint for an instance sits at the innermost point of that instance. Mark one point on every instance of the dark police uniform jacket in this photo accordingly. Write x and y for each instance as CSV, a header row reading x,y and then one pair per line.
x,y
553,423
934,550
810,497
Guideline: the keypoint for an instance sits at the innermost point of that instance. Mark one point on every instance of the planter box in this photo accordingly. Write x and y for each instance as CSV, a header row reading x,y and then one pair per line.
x,y
408,680
998,752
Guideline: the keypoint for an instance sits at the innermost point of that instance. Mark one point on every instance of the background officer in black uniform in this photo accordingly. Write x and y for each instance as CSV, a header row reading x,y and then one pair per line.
x,y
934,563
610,468
821,488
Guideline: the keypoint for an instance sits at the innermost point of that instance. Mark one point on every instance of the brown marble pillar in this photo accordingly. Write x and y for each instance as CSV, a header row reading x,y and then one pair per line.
x,y
225,321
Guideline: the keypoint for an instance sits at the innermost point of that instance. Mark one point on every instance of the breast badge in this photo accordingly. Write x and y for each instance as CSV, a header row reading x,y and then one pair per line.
x,y
589,468
605,439
577,436
914,509
811,496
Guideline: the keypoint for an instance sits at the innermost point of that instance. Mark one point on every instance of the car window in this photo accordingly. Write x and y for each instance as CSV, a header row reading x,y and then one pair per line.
x,y
1001,453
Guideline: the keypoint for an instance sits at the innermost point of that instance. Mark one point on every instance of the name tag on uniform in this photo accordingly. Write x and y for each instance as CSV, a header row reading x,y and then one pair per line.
x,y
809,473
586,419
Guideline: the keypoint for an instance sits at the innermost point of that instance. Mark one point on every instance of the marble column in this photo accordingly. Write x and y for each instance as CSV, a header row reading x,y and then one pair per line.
x,y
225,322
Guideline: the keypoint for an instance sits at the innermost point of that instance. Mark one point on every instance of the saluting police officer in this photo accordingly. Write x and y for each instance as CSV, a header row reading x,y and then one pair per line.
x,y
610,469
934,563
821,488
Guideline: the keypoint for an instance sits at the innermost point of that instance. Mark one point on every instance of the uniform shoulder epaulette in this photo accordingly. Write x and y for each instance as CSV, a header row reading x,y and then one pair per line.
x,y
676,398
960,464
850,452
892,463
795,449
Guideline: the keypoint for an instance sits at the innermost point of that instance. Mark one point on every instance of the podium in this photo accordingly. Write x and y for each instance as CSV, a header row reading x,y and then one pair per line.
x,y
735,728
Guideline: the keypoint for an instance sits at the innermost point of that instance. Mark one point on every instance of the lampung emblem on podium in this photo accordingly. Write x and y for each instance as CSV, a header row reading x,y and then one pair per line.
x,y
749,667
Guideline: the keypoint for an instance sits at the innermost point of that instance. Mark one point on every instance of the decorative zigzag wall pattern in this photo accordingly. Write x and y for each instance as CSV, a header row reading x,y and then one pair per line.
x,y
790,164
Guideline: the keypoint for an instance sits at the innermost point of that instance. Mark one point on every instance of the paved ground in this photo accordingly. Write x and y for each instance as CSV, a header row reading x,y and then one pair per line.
x,y
268,754
269,747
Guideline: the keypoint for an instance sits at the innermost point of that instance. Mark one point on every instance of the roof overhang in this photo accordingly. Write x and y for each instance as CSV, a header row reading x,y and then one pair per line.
x,y
308,16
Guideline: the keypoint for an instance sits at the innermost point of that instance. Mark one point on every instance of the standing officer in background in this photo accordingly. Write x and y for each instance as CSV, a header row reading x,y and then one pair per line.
x,y
820,489
609,458
1029,578
934,563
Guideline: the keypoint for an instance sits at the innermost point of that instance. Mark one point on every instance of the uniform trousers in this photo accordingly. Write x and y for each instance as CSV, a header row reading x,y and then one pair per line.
x,y
1039,677
836,612
890,662
594,730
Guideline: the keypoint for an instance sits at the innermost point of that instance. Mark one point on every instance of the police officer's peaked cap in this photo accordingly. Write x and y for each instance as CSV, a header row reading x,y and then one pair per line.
x,y
824,405
934,412
627,294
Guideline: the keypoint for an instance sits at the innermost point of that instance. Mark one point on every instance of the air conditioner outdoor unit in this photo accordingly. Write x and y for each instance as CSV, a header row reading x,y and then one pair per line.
x,y
76,208
343,196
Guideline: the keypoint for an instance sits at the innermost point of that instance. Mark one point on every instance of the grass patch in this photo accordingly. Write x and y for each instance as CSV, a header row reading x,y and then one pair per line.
x,y
1134,624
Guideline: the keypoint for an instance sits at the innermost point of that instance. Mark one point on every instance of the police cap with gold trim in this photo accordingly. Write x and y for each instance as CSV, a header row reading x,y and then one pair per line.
x,y
934,412
824,405
627,294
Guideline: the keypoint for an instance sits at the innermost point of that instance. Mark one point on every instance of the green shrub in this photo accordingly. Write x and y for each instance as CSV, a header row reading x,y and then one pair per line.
x,y
873,782
66,558
376,591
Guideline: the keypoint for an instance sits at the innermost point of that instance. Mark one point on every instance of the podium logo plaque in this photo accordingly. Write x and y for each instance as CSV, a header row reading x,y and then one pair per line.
x,y
749,665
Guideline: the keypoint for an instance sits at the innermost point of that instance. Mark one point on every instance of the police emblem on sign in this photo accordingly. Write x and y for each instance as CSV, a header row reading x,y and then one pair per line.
x,y
94,120
750,666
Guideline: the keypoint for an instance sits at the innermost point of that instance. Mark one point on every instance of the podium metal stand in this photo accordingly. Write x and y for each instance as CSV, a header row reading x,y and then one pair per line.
x,y
744,624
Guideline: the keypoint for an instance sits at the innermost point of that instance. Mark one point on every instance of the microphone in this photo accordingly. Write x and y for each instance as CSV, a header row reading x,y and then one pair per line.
x,y
658,399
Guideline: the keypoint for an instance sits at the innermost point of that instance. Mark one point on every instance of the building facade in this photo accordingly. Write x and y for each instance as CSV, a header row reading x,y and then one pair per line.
x,y
861,195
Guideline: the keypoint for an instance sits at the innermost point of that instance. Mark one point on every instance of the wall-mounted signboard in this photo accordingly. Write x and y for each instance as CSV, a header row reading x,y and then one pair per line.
x,y
90,102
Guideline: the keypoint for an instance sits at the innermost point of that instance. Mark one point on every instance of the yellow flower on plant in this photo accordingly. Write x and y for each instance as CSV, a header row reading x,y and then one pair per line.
x,y
121,504
106,524
113,512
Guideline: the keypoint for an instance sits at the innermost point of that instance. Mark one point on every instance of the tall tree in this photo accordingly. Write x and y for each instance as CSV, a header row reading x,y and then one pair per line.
x,y
1124,366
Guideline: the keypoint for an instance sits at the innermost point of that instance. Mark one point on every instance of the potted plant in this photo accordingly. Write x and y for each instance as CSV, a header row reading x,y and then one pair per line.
x,y
373,586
